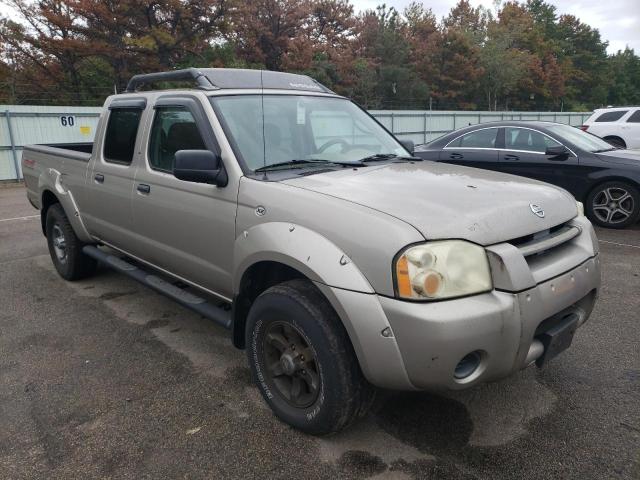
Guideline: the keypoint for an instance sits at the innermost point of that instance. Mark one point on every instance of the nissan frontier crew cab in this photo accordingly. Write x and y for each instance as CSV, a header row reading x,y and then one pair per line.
x,y
340,262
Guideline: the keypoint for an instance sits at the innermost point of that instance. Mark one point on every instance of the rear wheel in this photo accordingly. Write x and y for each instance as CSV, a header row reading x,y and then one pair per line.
x,y
65,248
614,205
302,360
616,142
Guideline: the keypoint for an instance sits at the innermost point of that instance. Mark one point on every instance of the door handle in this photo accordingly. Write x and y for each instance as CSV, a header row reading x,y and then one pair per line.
x,y
511,157
456,156
144,188
99,178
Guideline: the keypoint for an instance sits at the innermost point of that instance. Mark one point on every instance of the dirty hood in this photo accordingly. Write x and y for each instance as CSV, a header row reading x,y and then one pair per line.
x,y
448,201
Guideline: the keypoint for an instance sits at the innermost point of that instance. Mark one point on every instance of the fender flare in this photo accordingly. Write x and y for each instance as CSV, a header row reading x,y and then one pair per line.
x,y
300,248
51,180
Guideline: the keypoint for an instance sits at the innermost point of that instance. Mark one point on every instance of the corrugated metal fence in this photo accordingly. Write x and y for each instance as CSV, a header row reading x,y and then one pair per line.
x,y
22,125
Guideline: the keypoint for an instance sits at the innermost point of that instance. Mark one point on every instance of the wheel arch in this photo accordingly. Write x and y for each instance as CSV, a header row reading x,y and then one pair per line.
x,y
611,178
615,137
271,253
47,199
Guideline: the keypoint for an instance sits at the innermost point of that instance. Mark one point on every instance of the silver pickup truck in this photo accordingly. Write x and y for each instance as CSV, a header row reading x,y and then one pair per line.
x,y
340,262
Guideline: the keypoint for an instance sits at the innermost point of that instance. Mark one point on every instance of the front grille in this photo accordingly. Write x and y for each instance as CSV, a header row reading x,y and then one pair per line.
x,y
546,240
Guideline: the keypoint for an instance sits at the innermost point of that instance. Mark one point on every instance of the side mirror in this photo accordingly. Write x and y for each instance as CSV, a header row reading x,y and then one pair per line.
x,y
560,152
199,166
409,145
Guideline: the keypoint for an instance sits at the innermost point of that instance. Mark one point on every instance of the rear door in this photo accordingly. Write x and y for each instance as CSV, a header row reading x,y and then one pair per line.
x,y
631,130
107,205
183,227
474,149
524,154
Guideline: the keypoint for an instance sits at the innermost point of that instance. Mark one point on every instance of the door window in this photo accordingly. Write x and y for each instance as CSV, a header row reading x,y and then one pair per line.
x,y
173,129
635,117
611,116
120,139
485,138
528,140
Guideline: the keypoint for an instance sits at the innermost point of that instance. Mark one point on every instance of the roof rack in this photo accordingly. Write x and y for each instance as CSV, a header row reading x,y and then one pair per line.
x,y
173,76
232,78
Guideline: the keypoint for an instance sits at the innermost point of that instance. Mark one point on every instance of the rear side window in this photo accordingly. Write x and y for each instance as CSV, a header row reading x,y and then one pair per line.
x,y
485,138
120,139
611,116
634,118
173,129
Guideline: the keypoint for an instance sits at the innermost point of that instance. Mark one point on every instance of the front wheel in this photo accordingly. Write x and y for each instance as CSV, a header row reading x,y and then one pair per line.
x,y
302,360
614,205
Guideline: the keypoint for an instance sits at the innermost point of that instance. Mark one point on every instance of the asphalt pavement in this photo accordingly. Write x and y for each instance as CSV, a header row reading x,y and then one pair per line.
x,y
105,379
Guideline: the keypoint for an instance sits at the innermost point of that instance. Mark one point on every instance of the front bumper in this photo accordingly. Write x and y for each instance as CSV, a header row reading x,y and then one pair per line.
x,y
433,338
428,339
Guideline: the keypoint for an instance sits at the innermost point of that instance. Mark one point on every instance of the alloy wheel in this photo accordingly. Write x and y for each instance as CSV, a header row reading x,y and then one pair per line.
x,y
291,365
613,205
59,243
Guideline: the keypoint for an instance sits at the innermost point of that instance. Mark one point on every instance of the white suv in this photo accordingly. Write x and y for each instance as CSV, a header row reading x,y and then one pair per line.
x,y
619,126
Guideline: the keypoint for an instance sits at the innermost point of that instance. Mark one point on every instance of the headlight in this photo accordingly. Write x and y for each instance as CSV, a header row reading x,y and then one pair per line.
x,y
580,208
443,269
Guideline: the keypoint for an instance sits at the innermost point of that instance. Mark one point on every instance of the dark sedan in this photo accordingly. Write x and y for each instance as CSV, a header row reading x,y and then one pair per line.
x,y
605,179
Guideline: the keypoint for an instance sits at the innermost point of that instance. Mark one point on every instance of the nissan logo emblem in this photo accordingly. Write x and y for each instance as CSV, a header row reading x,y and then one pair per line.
x,y
537,210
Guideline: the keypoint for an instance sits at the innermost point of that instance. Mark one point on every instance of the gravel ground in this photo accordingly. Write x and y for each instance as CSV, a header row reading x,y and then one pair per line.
x,y
105,379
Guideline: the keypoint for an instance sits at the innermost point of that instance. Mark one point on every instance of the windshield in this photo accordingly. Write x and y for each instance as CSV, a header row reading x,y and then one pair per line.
x,y
580,139
273,129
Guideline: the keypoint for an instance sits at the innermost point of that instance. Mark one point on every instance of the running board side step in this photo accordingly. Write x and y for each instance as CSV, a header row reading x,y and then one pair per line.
x,y
187,299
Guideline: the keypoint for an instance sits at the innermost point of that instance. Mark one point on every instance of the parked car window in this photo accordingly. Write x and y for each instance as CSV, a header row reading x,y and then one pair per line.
x,y
120,139
485,138
173,129
611,116
634,118
529,140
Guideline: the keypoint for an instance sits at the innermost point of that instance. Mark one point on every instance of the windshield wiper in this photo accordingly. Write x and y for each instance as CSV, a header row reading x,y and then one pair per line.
x,y
386,156
304,161
605,150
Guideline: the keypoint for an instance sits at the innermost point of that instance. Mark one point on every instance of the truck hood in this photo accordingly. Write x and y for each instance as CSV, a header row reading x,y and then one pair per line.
x,y
449,201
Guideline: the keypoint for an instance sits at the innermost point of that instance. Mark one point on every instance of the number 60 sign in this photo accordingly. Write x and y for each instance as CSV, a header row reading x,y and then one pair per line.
x,y
67,120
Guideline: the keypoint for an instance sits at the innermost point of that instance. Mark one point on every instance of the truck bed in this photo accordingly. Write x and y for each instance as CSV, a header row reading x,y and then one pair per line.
x,y
76,151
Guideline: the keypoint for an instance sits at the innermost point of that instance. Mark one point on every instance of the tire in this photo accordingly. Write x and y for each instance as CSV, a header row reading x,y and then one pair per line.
x,y
616,142
613,205
293,332
65,248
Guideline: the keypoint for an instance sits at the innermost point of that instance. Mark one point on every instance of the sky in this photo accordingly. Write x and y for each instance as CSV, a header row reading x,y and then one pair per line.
x,y
617,20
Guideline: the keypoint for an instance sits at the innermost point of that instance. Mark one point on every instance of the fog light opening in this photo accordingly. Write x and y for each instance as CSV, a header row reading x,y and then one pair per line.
x,y
468,365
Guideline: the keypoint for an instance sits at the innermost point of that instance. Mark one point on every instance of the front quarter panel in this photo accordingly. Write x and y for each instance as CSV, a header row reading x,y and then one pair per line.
x,y
298,247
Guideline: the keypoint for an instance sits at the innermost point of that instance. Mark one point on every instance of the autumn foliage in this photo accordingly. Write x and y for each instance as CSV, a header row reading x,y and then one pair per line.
x,y
521,56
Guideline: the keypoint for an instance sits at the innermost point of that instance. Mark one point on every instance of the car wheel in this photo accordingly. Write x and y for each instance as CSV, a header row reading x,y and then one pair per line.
x,y
616,142
614,205
65,248
302,360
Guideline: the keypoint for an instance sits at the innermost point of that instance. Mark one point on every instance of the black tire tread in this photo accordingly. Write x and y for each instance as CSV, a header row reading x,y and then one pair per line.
x,y
360,393
78,265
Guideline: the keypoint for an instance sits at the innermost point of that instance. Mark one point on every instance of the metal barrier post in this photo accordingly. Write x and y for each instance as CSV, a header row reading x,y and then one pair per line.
x,y
424,125
7,114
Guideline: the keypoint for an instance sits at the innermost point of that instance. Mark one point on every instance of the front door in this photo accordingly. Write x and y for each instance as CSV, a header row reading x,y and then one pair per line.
x,y
524,155
185,228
